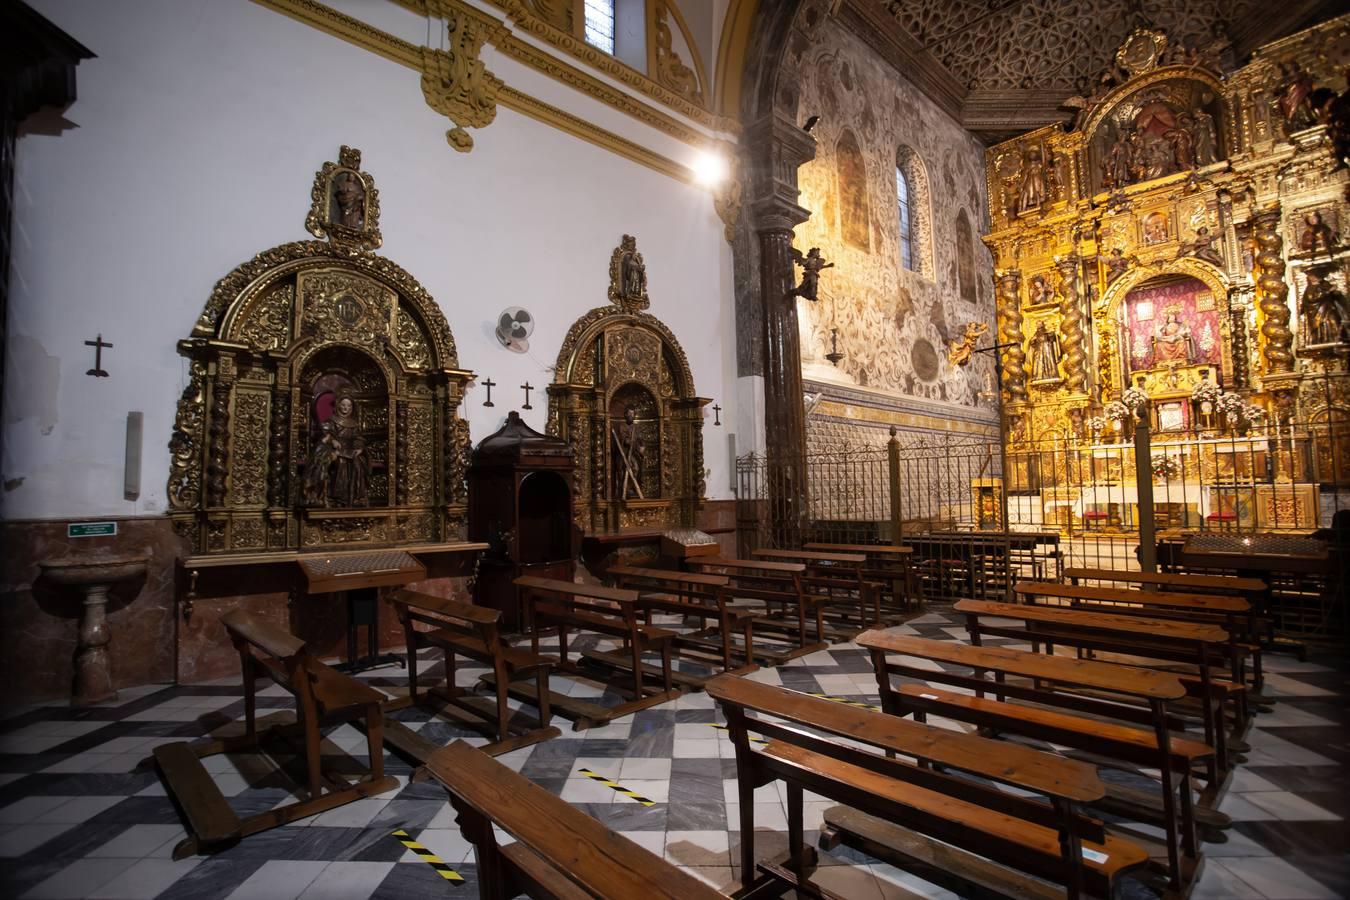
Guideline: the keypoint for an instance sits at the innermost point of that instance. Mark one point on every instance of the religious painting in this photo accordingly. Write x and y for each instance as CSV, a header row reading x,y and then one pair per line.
x,y
965,258
1172,416
1172,324
854,215
1156,228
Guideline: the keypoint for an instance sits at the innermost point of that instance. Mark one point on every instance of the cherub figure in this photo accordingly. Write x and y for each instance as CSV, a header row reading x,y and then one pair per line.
x,y
811,265
961,349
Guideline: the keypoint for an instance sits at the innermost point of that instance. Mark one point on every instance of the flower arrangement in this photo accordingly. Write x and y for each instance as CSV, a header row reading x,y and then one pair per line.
x,y
1116,411
1230,404
1253,414
1134,398
1165,467
1205,391
1097,424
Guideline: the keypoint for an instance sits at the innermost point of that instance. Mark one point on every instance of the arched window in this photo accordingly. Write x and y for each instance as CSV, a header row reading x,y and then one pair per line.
x,y
600,24
902,203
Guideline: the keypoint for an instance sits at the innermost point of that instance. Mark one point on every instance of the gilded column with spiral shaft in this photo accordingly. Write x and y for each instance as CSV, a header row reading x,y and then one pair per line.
x,y
1273,293
1072,326
1006,285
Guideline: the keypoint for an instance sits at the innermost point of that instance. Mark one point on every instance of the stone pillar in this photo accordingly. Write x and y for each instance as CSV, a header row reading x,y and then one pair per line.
x,y
778,148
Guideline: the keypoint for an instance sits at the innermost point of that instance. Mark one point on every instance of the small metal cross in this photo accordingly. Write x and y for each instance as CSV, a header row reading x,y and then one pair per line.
x,y
98,345
527,389
717,414
489,384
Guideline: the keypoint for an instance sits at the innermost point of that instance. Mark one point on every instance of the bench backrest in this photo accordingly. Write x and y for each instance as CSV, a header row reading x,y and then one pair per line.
x,y
601,862
1135,626
1198,583
443,613
1208,603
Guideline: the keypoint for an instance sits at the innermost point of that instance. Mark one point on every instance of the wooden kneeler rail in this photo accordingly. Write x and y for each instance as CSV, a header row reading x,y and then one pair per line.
x,y
323,696
462,629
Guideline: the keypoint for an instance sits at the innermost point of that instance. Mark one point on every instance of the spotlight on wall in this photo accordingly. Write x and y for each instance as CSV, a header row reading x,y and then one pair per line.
x,y
710,169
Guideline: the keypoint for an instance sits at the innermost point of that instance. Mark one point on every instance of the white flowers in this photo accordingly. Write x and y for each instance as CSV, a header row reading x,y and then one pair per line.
x,y
1205,390
1134,398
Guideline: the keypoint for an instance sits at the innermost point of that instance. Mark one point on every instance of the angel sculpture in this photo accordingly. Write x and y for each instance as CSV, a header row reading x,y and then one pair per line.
x,y
811,265
961,349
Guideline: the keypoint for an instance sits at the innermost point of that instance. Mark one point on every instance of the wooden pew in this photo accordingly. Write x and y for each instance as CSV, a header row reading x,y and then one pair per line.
x,y
886,564
693,594
779,586
1234,614
559,851
1139,636
550,602
828,573
1054,841
462,629
323,696
1055,718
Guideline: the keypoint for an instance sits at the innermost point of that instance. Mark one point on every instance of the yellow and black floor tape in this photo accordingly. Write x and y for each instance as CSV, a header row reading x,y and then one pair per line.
x,y
428,857
618,788
846,701
720,727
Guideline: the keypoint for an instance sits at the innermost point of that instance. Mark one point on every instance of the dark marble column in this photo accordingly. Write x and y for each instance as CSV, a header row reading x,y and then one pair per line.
x,y
778,147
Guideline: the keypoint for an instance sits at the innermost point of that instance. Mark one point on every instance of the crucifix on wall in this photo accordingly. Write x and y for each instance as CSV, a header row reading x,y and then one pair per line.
x,y
98,344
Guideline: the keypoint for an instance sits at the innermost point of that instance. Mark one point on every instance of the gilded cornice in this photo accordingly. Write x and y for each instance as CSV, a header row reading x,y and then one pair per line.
x,y
405,53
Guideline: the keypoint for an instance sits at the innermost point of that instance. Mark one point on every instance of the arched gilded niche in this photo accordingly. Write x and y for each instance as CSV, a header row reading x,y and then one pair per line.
x,y
623,398
322,401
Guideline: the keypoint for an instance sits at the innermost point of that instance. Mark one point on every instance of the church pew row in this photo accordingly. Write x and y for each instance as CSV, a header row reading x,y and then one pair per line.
x,y
559,851
887,565
1019,838
792,612
1036,706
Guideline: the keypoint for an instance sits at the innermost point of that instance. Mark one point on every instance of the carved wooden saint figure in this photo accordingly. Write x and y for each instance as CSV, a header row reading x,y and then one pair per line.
x,y
811,265
962,348
1206,141
349,201
1326,315
1032,193
1295,102
339,470
1116,264
631,449
1317,234
1172,342
628,275
1203,247
1044,355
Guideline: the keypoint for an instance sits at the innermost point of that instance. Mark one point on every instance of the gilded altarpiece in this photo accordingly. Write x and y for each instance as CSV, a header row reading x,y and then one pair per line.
x,y
623,398
322,401
1188,226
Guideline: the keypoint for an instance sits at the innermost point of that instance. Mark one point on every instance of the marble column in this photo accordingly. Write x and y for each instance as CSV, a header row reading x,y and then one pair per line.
x,y
778,148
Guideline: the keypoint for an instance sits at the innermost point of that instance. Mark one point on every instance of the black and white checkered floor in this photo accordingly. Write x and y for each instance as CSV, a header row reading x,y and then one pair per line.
x,y
77,821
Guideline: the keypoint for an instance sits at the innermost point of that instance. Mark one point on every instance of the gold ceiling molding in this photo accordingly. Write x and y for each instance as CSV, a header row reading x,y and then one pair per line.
x,y
457,84
691,84
839,409
450,89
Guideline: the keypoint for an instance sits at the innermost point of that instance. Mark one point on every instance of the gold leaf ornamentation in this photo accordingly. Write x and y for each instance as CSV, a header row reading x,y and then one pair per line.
x,y
456,84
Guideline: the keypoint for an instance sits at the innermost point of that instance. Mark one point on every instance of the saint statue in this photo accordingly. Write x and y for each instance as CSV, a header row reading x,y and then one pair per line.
x,y
1032,194
1172,342
339,469
1206,141
1116,264
1317,235
1119,165
1295,97
631,449
1203,247
1325,312
350,196
811,265
1183,142
1044,355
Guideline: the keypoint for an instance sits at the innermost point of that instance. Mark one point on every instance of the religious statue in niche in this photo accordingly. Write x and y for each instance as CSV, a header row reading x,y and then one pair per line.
x,y
349,201
1044,355
1116,263
1203,247
1317,235
1118,168
1326,315
1160,136
630,450
1172,341
1155,228
628,276
338,473
854,214
345,205
1295,97
1032,192
1206,140
1038,291
811,265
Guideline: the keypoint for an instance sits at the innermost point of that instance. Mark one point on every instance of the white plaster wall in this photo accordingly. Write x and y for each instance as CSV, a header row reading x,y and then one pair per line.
x,y
193,146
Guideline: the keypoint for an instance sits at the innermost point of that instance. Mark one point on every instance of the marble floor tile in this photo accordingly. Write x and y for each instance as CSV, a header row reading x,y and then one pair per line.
x,y
1277,879
139,841
278,880
79,879
146,879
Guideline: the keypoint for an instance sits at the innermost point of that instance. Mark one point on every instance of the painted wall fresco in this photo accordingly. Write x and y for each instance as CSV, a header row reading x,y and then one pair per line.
x,y
894,324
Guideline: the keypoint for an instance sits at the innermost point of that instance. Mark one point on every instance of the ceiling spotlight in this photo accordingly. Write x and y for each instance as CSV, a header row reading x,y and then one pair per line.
x,y
710,168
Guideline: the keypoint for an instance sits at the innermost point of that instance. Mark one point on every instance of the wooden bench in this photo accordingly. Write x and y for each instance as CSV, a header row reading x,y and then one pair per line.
x,y
553,603
323,696
928,797
1047,714
1234,614
462,629
559,851
886,564
839,577
698,595
778,585
1135,636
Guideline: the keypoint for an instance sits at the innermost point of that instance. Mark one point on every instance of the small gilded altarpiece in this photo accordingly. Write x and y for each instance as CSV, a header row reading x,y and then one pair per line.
x,y
321,408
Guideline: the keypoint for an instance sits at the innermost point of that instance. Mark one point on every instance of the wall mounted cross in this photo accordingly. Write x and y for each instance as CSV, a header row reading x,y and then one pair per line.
x,y
527,388
717,414
489,384
98,345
